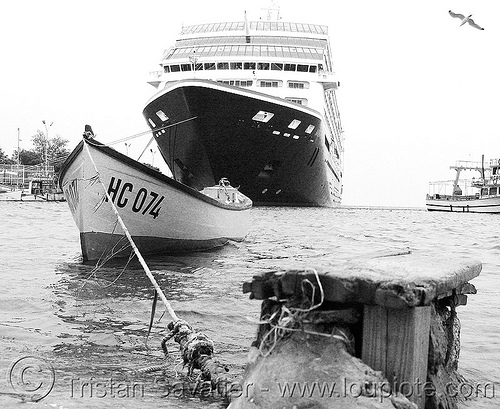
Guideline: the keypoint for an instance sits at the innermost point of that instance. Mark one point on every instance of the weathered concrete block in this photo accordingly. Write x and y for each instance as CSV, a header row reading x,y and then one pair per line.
x,y
310,371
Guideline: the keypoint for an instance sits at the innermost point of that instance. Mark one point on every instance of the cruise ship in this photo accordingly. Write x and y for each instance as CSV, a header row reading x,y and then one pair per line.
x,y
254,102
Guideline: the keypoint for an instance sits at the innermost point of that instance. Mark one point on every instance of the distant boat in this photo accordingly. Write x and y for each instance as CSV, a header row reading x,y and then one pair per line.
x,y
477,195
7,193
161,214
29,183
42,190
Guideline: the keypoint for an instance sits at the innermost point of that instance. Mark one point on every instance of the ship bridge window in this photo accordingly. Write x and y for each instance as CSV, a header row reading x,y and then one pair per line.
x,y
312,68
263,66
302,68
166,68
249,66
276,66
302,53
209,66
237,83
301,101
290,67
198,66
493,191
175,68
186,67
270,84
298,84
222,65
236,65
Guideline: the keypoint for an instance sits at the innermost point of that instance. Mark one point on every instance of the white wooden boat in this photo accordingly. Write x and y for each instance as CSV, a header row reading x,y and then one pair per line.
x,y
477,195
6,193
162,215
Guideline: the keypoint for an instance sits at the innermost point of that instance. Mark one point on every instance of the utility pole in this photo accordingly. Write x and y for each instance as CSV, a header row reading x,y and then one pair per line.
x,y
45,146
18,140
18,157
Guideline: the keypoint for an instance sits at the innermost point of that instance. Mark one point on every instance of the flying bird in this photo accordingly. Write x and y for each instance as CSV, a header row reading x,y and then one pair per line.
x,y
465,20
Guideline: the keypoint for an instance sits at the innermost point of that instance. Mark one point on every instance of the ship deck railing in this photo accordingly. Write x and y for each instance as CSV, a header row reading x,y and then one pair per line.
x,y
438,196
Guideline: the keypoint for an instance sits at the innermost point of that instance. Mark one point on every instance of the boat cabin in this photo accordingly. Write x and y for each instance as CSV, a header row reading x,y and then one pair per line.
x,y
226,194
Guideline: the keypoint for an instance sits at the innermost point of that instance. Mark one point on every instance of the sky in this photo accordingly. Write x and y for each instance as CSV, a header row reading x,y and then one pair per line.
x,y
417,91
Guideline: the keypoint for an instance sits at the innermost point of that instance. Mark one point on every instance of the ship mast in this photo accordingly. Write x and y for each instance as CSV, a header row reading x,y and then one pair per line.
x,y
273,7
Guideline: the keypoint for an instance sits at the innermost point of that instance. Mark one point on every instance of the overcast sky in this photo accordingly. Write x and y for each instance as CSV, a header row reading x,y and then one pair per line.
x,y
417,91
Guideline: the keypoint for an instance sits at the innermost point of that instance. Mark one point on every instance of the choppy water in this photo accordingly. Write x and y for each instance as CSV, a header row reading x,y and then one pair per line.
x,y
92,328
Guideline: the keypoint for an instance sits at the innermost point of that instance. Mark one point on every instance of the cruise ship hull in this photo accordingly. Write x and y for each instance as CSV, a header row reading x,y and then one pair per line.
x,y
275,150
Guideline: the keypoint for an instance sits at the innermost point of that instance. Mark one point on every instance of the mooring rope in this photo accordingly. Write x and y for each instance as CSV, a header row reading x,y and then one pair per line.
x,y
196,348
127,138
289,319
132,243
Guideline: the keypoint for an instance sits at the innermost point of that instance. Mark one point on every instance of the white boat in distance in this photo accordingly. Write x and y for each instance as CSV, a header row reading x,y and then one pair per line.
x,y
484,194
8,193
162,215
253,101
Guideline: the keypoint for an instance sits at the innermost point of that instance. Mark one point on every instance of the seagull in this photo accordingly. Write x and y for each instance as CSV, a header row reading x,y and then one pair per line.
x,y
465,20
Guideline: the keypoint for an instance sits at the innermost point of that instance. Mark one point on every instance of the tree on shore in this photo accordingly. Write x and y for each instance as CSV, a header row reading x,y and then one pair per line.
x,y
4,158
29,158
55,149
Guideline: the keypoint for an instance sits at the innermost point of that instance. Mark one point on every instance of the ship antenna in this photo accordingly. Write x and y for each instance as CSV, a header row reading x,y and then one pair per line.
x,y
273,7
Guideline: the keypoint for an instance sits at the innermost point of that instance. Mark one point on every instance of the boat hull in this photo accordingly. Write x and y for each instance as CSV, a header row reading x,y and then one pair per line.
x,y
161,215
479,205
10,195
223,131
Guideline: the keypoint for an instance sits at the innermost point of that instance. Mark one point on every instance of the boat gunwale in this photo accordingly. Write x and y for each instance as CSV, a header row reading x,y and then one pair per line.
x,y
151,172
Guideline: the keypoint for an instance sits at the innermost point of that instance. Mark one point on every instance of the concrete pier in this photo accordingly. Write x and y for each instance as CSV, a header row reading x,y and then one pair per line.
x,y
376,332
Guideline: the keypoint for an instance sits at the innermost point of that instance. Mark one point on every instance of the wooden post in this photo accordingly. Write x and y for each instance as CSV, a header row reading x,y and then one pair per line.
x,y
397,295
396,342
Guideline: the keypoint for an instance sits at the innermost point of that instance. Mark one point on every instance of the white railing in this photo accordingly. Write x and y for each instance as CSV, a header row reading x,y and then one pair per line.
x,y
21,175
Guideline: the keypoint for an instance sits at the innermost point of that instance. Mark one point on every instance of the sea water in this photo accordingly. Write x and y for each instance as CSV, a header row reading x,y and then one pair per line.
x,y
84,331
